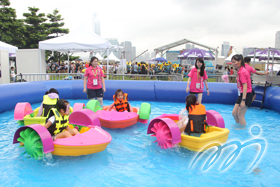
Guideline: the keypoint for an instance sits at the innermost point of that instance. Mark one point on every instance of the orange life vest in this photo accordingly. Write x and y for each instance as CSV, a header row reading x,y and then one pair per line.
x,y
123,105
197,119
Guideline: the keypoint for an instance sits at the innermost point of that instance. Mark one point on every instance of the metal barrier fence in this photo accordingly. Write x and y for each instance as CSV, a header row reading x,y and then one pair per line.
x,y
48,76
218,78
78,76
157,77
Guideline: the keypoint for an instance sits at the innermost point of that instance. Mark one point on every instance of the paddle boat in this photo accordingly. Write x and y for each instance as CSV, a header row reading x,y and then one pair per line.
x,y
113,119
26,116
167,133
37,140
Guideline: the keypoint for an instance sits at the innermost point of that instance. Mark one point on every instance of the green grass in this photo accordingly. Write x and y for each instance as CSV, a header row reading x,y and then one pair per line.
x,y
130,78
57,77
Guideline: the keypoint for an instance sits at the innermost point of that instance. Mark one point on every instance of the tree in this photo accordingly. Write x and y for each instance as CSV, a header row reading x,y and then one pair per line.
x,y
36,28
55,28
11,29
56,24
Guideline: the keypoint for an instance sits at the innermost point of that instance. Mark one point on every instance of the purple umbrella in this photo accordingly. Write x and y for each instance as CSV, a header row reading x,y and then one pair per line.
x,y
195,53
160,59
262,54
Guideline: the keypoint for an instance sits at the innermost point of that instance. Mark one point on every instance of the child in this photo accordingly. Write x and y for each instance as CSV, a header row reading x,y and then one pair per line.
x,y
120,102
13,75
49,101
197,116
58,119
197,76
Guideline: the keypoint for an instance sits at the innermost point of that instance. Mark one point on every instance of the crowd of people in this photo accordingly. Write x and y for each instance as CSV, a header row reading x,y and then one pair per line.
x,y
63,67
152,69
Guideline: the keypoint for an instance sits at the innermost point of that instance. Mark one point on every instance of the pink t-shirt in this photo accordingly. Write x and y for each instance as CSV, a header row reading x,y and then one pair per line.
x,y
243,77
94,74
197,81
250,69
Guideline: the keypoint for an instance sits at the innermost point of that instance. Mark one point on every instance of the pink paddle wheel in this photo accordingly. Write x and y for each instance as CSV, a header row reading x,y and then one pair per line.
x,y
163,134
165,130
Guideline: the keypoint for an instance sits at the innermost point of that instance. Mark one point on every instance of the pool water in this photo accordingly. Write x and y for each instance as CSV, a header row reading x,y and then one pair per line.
x,y
132,159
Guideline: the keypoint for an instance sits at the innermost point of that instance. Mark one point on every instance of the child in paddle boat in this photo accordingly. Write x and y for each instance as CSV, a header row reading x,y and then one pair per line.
x,y
49,101
184,113
192,117
58,119
120,102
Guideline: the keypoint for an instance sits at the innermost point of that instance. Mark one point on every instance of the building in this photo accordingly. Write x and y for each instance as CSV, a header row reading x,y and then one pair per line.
x,y
225,49
153,55
247,51
127,47
133,52
114,41
277,40
189,46
96,24
172,56
147,56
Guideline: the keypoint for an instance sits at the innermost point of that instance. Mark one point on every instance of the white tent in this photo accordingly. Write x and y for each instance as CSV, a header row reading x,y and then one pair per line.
x,y
112,57
82,40
12,49
228,59
98,56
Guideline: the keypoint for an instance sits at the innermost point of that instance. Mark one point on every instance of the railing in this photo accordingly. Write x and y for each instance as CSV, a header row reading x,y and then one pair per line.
x,y
263,79
157,77
48,76
218,78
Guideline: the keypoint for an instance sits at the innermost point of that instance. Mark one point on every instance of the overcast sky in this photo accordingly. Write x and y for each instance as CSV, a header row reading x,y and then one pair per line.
x,y
149,24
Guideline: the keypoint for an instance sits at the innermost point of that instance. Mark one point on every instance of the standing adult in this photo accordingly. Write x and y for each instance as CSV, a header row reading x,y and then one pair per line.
x,y
13,75
93,81
231,71
77,67
244,86
252,70
128,67
197,76
135,67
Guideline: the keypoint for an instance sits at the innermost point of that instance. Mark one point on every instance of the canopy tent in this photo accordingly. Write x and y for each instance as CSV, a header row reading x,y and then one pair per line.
x,y
81,40
12,49
112,57
98,56
228,59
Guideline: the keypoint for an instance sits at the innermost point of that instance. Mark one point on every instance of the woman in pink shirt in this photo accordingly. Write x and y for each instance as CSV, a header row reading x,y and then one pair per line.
x,y
252,70
93,81
244,86
197,76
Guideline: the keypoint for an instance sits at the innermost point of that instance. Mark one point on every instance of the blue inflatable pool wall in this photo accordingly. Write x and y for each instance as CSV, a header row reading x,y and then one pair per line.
x,y
32,92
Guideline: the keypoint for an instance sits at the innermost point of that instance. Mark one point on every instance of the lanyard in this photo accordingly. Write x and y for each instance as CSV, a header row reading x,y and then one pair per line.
x,y
95,73
198,76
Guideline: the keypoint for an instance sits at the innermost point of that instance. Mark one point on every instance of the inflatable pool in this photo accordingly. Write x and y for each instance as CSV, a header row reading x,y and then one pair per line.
x,y
132,158
161,91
